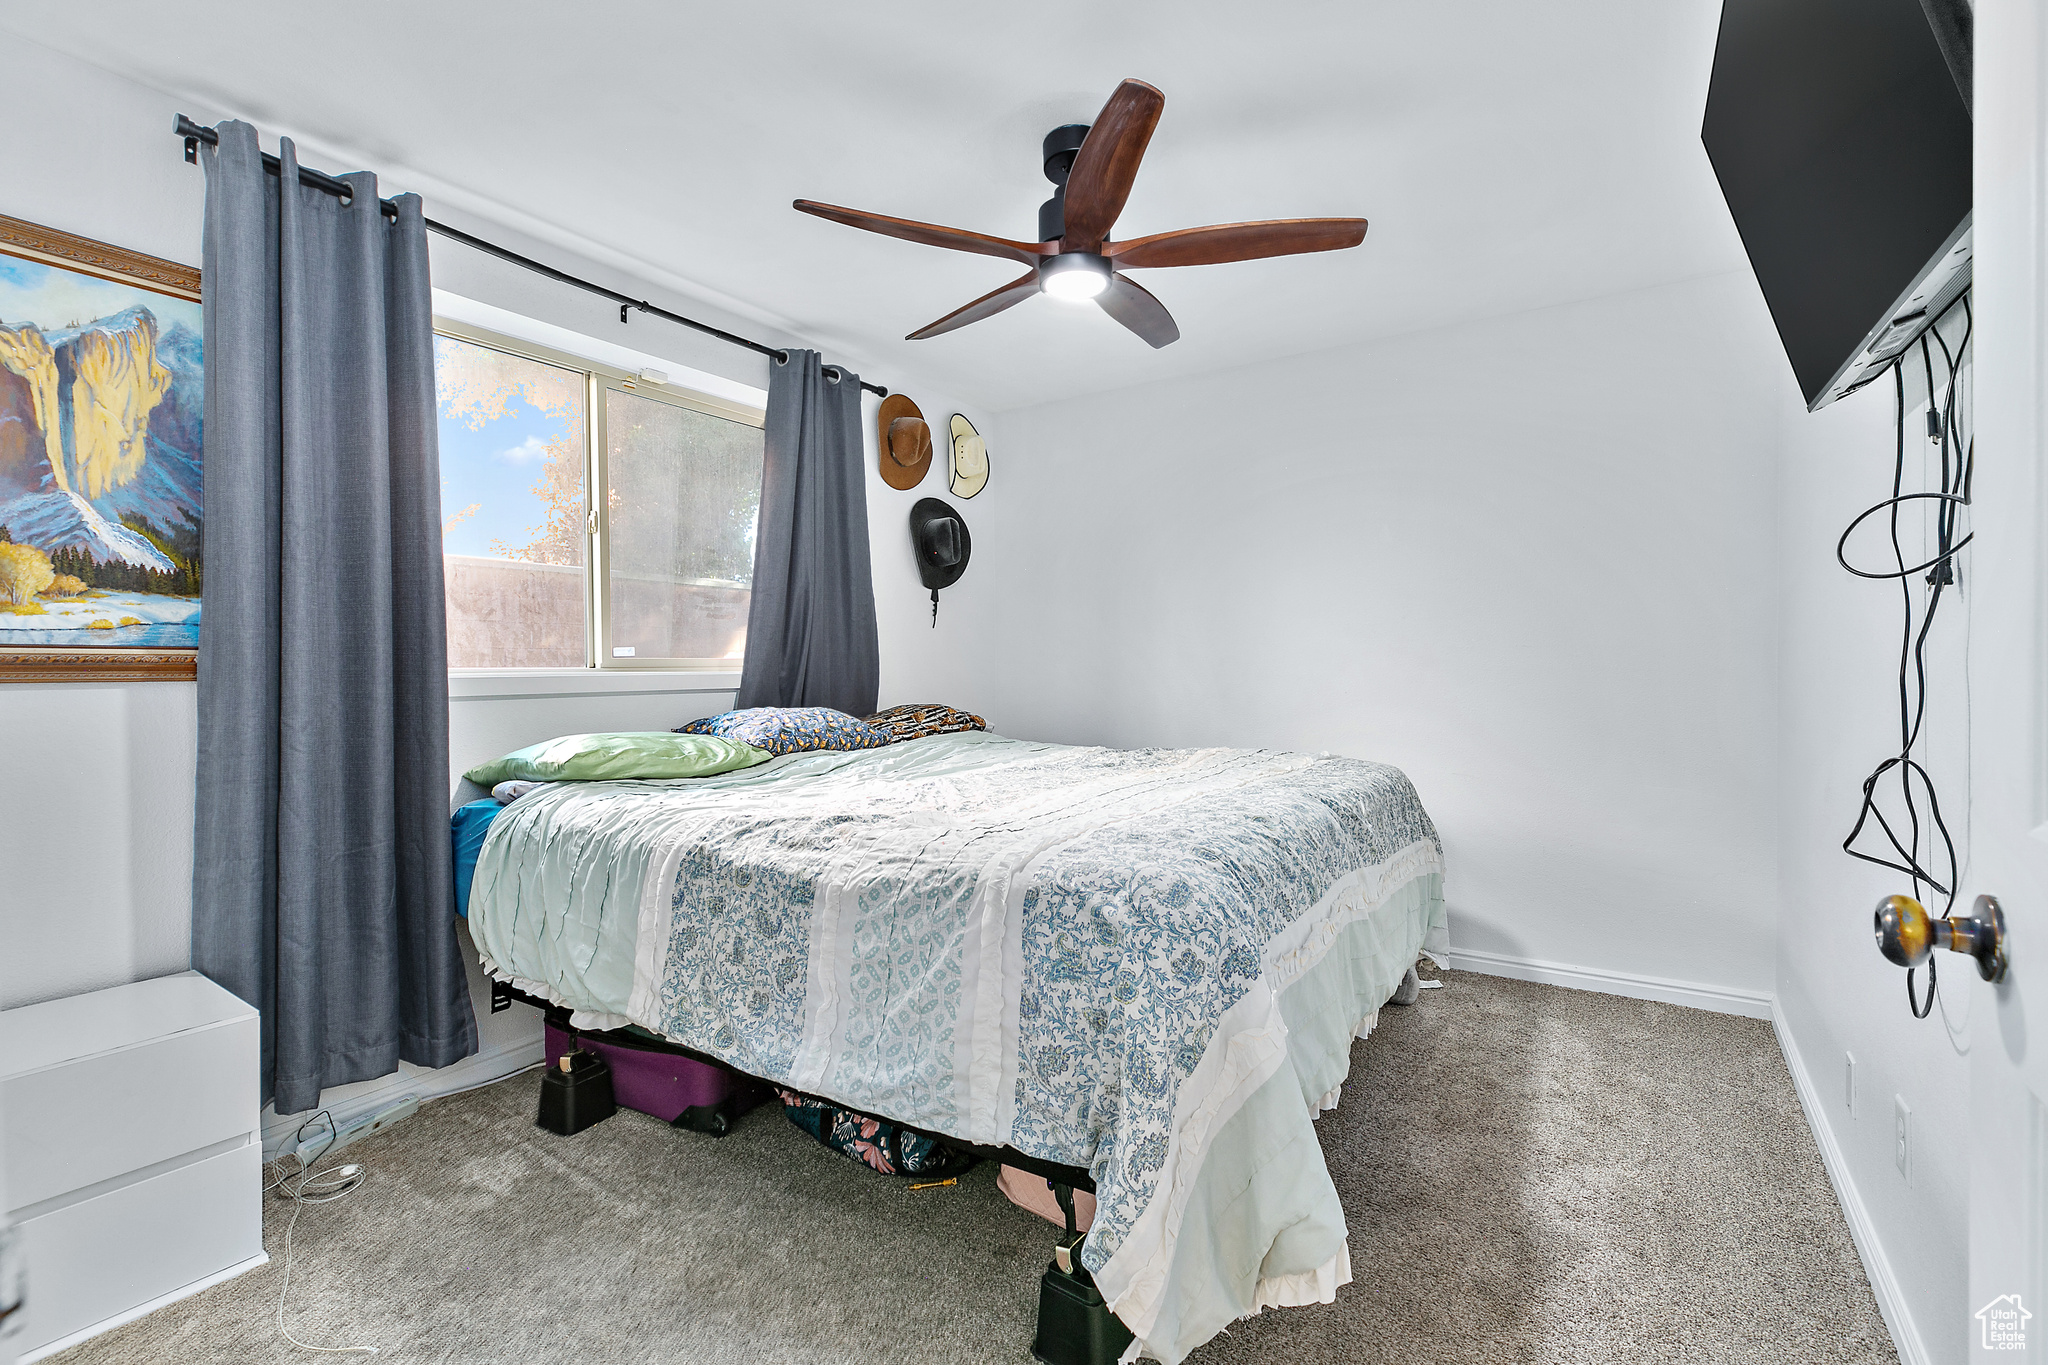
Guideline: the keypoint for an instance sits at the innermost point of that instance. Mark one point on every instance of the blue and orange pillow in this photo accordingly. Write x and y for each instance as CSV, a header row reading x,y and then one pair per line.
x,y
790,729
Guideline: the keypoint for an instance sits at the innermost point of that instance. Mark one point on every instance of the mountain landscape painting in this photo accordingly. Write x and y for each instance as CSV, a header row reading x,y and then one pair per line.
x,y
102,397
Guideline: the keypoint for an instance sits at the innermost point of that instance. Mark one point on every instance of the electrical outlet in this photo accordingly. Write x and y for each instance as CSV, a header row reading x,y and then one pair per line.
x,y
1849,1082
1902,1137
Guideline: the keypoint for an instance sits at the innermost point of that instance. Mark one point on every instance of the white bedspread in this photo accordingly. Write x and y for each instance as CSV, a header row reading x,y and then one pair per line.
x,y
1148,963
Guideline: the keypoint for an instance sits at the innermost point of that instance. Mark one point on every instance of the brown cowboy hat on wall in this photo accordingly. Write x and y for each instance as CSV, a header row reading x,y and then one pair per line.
x,y
904,448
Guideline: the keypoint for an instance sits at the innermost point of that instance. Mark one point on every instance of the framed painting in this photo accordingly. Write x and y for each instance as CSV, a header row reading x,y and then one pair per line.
x,y
102,400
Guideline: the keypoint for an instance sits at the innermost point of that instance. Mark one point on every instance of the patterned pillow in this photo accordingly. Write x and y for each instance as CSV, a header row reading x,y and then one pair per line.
x,y
787,730
918,719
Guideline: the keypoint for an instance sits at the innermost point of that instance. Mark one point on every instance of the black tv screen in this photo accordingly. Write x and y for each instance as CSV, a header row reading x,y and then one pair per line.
x,y
1841,136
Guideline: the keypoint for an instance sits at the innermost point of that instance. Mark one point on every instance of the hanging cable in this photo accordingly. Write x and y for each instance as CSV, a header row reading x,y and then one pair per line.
x,y
1947,425
309,1184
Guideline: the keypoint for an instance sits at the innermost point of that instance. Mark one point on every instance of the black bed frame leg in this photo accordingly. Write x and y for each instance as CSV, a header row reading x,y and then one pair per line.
x,y
575,1093
1075,1326
1063,1254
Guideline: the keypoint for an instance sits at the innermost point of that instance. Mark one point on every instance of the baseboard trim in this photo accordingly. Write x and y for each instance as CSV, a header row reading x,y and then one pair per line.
x,y
65,1343
1891,1300
481,1068
1694,994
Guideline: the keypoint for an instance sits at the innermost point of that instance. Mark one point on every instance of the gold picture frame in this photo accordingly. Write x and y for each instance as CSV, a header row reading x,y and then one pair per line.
x,y
100,261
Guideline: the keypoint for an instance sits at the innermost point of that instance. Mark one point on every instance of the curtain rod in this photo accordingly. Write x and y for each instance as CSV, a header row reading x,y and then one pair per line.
x,y
195,133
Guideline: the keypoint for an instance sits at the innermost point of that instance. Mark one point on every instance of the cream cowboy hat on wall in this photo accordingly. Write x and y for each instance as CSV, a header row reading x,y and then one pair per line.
x,y
967,468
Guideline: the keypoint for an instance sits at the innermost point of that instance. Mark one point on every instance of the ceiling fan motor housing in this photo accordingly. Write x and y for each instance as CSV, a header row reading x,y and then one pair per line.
x,y
1062,145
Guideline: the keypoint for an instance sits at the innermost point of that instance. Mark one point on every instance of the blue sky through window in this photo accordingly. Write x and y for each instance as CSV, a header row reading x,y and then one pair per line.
x,y
495,466
501,418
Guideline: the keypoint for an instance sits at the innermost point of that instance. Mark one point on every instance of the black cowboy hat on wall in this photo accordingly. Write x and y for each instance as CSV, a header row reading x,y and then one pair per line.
x,y
938,536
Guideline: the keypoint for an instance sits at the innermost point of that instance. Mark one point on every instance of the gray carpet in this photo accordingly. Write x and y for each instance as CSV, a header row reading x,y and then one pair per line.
x,y
1531,1175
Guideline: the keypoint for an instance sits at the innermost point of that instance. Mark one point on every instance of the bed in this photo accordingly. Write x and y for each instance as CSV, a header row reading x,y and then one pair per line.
x,y
1150,964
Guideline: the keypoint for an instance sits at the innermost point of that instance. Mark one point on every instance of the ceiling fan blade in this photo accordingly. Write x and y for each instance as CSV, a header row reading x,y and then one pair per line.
x,y
1136,309
928,234
988,305
1107,163
1236,242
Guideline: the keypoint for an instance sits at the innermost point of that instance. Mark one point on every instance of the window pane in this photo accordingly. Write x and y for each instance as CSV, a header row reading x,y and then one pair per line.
x,y
512,455
685,488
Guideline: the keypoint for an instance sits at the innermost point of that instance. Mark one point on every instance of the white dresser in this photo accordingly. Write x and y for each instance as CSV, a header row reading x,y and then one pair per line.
x,y
129,1133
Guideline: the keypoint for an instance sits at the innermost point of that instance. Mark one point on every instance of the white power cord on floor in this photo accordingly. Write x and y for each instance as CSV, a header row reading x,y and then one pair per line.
x,y
336,1183
314,1187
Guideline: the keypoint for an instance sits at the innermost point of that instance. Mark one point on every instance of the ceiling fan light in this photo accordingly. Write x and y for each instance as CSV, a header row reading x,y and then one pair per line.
x,y
1075,275
1075,286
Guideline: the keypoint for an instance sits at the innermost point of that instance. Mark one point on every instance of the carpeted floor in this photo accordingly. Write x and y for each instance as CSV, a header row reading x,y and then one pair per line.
x,y
1531,1174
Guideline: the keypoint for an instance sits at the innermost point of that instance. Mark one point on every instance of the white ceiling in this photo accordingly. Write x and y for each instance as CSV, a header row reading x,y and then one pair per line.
x,y
1510,155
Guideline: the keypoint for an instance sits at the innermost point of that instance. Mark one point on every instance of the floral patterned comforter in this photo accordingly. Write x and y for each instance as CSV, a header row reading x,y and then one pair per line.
x,y
1123,960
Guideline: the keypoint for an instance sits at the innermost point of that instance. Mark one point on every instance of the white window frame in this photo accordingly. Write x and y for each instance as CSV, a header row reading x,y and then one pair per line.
x,y
598,379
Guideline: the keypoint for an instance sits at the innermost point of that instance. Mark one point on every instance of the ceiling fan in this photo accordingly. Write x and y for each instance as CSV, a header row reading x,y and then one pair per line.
x,y
1092,167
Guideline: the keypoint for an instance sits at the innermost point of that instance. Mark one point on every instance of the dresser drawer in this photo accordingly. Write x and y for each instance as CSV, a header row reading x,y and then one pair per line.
x,y
109,1254
100,1085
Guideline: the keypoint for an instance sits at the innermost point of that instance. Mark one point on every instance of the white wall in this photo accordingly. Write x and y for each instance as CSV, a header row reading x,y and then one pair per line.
x,y
96,808
95,836
1527,560
1838,709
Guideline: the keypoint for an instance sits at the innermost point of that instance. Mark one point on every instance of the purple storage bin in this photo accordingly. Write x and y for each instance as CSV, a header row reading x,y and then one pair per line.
x,y
703,1096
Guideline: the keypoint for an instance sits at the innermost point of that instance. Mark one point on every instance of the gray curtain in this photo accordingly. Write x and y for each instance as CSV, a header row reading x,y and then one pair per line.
x,y
811,628
321,886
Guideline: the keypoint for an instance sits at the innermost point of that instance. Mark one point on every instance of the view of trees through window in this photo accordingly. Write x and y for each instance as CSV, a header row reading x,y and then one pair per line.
x,y
683,492
513,445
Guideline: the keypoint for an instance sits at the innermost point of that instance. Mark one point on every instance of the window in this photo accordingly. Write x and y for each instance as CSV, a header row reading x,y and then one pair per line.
x,y
684,489
659,576
513,451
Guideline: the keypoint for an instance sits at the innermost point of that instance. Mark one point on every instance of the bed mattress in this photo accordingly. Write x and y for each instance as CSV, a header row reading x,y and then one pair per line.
x,y
1148,963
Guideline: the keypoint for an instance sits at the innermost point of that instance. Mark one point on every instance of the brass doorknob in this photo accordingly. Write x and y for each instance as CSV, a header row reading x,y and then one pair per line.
x,y
1907,935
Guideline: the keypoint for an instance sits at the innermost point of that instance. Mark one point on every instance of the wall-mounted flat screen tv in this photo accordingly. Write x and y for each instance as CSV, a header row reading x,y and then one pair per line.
x,y
1840,131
